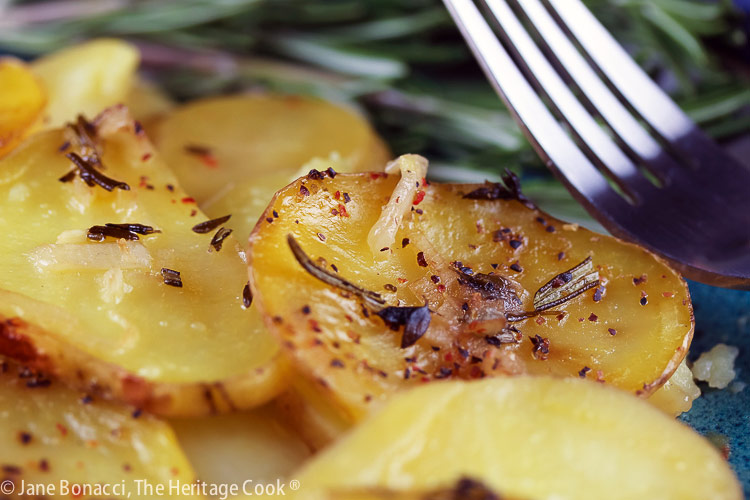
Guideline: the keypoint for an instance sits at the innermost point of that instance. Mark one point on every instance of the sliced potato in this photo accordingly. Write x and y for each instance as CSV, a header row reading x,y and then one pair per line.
x,y
22,100
101,315
52,435
230,449
526,437
356,361
232,153
147,102
86,78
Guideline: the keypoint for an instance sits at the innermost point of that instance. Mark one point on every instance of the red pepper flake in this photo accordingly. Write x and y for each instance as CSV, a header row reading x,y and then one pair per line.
x,y
401,280
342,211
449,357
668,295
193,213
209,160
337,195
612,331
377,175
418,197
593,317
146,157
314,326
540,320
441,288
44,465
304,191
560,316
600,376
421,260
62,429
188,199
334,212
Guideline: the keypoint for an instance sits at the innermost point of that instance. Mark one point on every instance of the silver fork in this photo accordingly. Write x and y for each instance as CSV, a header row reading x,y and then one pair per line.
x,y
649,175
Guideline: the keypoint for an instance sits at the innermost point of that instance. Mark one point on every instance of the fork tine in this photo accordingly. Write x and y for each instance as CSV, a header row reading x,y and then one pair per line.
x,y
544,132
617,116
592,136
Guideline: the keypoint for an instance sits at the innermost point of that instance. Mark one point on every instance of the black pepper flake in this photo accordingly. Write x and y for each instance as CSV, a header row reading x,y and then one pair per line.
x,y
494,266
508,190
269,220
321,236
316,175
275,214
404,242
337,363
198,150
407,374
419,211
540,349
435,279
170,188
86,399
24,437
515,244
390,287
598,294
640,280
347,198
91,176
443,373
465,307
137,127
550,229
171,277
612,331
421,260
210,225
218,240
304,191
44,465
331,172
415,321
306,309
584,371
644,301
334,212
11,469
541,221
516,267
561,256
64,146
37,382
593,317
247,296
136,413
384,249
335,269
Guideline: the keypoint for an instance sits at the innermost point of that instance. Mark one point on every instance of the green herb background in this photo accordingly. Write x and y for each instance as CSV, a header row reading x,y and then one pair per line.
x,y
403,62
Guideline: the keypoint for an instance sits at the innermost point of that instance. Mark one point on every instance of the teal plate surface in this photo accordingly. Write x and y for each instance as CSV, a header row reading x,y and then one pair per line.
x,y
724,316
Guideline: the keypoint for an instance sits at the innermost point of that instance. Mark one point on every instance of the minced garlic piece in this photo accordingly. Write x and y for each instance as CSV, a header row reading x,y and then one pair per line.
x,y
18,193
74,257
716,366
413,170
113,286
677,395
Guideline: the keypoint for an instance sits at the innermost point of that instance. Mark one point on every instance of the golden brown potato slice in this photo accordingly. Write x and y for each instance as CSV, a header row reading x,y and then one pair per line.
x,y
22,100
451,253
86,78
52,435
526,437
232,153
230,449
107,316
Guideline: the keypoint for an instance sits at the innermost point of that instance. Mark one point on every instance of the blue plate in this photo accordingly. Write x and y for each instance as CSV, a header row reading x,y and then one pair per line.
x,y
724,316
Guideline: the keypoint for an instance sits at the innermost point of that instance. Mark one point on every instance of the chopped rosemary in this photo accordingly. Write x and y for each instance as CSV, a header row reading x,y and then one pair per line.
x,y
372,299
171,277
210,225
91,176
135,228
218,240
566,286
99,233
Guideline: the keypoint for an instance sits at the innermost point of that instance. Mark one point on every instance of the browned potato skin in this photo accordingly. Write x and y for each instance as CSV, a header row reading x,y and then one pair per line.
x,y
663,327
44,352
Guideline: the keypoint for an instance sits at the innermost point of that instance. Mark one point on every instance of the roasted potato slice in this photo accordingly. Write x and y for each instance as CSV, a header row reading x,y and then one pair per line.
x,y
526,437
22,100
102,314
86,78
464,265
52,435
233,153
230,449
